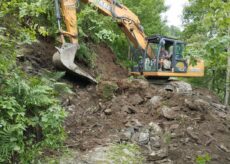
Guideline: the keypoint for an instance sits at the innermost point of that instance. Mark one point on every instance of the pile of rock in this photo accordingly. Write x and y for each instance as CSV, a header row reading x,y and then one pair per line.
x,y
150,138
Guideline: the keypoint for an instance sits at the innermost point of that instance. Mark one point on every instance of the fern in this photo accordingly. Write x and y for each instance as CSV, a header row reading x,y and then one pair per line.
x,y
26,102
31,117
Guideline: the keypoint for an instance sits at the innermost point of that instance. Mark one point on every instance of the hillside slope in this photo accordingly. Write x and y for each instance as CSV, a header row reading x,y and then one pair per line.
x,y
171,123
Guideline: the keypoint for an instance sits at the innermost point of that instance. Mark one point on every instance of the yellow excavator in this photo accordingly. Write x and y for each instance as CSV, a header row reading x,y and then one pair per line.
x,y
146,56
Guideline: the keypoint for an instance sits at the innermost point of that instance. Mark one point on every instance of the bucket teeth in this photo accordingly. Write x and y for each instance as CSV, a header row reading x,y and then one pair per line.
x,y
64,59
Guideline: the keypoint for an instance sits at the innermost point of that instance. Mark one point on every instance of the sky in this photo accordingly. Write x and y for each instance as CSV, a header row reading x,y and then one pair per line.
x,y
174,13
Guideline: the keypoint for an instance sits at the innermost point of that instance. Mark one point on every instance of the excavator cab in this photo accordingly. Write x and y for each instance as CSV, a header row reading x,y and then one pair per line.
x,y
175,66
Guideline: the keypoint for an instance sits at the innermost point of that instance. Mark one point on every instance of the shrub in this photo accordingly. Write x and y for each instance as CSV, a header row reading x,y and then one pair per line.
x,y
31,119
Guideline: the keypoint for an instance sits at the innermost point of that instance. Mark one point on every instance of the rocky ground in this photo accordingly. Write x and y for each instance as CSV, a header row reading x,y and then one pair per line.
x,y
125,120
170,123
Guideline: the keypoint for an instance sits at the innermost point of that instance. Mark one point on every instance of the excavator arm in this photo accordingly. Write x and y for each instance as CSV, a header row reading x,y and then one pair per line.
x,y
126,20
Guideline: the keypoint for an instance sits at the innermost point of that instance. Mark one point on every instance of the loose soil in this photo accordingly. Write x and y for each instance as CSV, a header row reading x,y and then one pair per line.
x,y
199,127
38,56
106,65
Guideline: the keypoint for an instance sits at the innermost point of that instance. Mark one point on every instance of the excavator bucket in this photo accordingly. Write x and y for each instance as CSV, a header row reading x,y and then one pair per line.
x,y
64,59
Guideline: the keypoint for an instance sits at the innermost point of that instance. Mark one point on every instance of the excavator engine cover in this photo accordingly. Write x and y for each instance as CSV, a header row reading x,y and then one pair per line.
x,y
64,60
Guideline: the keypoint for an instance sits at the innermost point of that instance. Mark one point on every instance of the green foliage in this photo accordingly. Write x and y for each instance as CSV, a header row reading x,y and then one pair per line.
x,y
51,79
31,118
95,26
120,46
108,90
203,159
207,34
149,12
173,31
24,19
86,55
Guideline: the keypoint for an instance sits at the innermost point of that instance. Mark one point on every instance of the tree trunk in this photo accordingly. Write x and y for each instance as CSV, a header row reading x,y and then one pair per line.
x,y
227,90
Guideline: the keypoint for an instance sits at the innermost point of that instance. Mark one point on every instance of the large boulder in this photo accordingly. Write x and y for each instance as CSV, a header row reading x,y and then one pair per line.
x,y
179,87
197,104
144,137
155,101
135,99
158,155
168,113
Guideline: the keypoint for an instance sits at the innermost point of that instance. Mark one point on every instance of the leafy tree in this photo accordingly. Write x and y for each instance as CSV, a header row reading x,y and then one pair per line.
x,y
149,12
207,32
173,31
28,17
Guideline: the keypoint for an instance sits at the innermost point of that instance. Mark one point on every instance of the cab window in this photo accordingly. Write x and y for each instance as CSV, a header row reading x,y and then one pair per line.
x,y
179,50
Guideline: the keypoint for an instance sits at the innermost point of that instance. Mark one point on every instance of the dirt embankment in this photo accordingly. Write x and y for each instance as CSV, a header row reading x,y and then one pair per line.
x,y
39,55
106,65
172,123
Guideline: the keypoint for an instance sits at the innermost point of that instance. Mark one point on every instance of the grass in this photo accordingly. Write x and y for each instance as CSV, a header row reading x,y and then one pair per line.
x,y
203,159
125,154
167,138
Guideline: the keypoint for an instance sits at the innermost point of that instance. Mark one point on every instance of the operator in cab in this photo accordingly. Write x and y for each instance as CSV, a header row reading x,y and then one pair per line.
x,y
164,61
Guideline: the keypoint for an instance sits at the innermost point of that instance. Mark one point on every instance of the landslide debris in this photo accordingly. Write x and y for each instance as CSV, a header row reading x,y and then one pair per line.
x,y
171,123
169,126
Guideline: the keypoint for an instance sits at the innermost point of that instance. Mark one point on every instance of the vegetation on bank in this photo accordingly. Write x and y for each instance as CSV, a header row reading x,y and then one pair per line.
x,y
31,119
207,32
